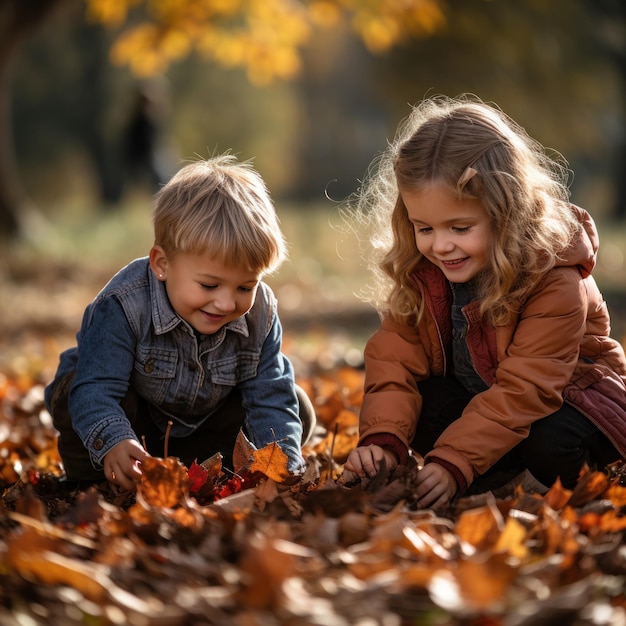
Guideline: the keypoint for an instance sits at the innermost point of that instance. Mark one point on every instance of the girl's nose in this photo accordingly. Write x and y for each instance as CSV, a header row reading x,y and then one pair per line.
x,y
442,243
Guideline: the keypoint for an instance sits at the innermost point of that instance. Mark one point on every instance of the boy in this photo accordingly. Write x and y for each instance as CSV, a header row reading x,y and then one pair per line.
x,y
184,343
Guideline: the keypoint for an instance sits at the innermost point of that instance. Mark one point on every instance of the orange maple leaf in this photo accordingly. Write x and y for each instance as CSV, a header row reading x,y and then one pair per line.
x,y
270,461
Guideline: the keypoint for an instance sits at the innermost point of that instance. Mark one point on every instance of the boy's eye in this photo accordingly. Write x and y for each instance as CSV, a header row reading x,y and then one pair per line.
x,y
208,287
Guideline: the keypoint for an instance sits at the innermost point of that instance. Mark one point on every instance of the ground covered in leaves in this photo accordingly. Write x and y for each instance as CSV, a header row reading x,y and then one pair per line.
x,y
199,546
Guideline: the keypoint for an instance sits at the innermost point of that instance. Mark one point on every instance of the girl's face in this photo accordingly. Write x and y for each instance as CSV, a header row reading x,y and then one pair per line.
x,y
206,293
451,232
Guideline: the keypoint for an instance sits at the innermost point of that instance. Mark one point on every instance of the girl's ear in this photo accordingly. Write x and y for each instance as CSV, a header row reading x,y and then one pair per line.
x,y
158,262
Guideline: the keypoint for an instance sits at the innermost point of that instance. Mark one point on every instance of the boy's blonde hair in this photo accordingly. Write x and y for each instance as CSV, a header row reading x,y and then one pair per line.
x,y
220,207
477,152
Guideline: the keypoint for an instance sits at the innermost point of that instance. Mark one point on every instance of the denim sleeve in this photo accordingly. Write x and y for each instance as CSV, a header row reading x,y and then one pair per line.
x,y
270,401
105,359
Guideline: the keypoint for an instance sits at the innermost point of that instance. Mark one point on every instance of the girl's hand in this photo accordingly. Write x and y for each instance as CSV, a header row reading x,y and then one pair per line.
x,y
367,461
435,486
121,464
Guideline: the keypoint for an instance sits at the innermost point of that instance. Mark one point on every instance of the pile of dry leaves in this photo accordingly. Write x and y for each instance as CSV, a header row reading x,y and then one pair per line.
x,y
198,546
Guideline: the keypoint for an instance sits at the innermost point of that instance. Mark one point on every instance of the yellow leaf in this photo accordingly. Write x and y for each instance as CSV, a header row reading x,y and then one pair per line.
x,y
108,12
175,44
325,14
512,540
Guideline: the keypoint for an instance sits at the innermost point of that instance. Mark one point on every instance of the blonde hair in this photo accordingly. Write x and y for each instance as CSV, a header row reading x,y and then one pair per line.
x,y
220,207
477,152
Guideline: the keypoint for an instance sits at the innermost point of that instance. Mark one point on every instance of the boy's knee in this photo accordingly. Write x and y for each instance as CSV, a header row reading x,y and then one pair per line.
x,y
307,414
74,456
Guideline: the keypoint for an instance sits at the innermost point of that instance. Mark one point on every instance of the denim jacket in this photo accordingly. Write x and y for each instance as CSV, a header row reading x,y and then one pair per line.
x,y
131,337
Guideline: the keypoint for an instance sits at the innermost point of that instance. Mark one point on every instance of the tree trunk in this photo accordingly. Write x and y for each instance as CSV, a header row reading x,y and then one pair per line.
x,y
18,19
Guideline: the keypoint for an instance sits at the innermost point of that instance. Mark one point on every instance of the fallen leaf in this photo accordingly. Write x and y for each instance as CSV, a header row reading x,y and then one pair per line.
x,y
271,461
480,527
164,482
512,540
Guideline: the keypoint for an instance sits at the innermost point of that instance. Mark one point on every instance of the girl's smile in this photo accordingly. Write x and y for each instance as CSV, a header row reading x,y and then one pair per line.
x,y
452,232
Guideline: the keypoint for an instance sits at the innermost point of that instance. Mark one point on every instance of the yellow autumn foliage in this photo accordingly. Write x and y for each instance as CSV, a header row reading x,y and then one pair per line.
x,y
263,37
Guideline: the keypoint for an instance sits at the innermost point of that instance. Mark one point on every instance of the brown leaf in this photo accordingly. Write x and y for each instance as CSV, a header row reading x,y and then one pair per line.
x,y
557,496
264,567
590,486
353,528
478,583
89,509
327,409
35,555
342,438
164,482
29,504
242,452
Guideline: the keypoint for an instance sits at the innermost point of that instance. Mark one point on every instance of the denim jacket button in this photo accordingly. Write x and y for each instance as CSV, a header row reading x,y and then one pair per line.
x,y
98,444
149,367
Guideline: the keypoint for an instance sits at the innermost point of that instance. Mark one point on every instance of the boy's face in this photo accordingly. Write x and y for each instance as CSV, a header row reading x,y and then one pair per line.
x,y
452,233
206,293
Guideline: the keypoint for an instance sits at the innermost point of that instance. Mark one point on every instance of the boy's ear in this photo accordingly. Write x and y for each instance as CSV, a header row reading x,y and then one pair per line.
x,y
158,262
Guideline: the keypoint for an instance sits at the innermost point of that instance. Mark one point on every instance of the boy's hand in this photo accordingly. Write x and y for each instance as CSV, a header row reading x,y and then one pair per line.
x,y
121,464
367,461
436,486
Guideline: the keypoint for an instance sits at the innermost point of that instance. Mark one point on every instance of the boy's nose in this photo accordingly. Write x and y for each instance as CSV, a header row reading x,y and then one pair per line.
x,y
226,303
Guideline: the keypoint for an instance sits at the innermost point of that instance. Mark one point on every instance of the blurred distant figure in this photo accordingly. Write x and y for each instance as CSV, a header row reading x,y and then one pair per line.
x,y
143,156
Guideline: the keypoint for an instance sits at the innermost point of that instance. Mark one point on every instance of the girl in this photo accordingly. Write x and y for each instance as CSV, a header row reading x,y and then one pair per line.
x,y
494,354
188,336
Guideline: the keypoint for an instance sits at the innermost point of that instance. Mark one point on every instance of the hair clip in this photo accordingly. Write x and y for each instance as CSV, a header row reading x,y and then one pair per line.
x,y
466,176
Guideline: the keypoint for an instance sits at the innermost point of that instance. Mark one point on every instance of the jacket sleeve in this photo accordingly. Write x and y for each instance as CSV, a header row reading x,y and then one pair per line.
x,y
271,403
103,370
395,361
531,375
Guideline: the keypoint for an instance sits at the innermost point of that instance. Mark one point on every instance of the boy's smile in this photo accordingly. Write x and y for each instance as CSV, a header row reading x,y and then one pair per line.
x,y
451,232
204,291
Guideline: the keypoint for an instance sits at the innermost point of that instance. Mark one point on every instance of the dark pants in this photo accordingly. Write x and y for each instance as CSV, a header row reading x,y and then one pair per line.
x,y
217,434
557,446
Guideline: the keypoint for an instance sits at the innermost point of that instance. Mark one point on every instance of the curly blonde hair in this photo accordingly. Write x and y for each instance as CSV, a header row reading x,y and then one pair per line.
x,y
523,190
220,206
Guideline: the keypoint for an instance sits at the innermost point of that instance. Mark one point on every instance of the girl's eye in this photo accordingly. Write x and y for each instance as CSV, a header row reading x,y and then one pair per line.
x,y
245,289
461,229
208,287
422,229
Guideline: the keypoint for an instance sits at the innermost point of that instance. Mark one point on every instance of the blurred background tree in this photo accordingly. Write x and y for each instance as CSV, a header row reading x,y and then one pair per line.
x,y
311,90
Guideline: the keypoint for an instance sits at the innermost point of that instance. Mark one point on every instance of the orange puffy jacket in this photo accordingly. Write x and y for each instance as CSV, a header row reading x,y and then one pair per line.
x,y
557,348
